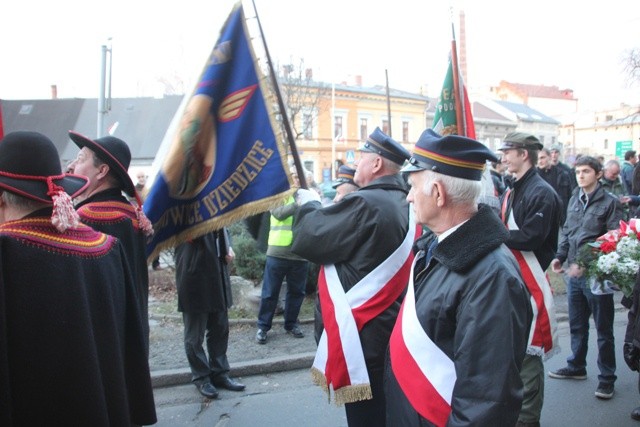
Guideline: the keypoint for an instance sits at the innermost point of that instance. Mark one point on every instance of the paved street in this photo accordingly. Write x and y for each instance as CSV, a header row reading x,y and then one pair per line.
x,y
288,399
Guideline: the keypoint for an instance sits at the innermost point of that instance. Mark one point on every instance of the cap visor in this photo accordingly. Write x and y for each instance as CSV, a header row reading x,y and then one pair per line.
x,y
412,168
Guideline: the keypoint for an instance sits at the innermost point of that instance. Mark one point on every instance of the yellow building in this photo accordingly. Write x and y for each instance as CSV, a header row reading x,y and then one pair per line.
x,y
342,118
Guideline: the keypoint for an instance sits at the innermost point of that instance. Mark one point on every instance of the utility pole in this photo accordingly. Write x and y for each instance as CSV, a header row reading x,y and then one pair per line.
x,y
104,96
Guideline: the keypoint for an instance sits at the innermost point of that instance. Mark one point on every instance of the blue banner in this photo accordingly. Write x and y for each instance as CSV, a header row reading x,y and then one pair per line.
x,y
226,161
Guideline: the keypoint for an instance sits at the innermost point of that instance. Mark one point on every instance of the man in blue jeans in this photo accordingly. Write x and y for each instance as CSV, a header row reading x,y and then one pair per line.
x,y
590,214
282,263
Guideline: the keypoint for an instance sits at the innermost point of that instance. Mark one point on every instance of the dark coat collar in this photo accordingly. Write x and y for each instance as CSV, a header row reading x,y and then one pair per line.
x,y
481,234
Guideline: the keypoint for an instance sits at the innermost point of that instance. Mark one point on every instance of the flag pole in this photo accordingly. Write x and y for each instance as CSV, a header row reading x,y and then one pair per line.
x,y
462,129
281,106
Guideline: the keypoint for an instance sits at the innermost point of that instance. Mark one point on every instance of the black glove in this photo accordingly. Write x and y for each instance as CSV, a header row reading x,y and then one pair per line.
x,y
631,355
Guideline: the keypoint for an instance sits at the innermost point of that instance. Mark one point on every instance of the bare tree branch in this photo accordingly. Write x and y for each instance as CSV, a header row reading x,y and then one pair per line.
x,y
305,98
631,62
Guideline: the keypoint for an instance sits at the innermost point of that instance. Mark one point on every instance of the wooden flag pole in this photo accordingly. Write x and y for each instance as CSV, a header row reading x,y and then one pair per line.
x,y
281,106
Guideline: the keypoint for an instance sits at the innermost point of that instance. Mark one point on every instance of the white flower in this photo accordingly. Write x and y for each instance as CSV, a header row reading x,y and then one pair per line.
x,y
607,262
627,247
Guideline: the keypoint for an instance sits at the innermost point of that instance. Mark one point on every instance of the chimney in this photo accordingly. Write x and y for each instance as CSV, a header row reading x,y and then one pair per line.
x,y
54,91
463,49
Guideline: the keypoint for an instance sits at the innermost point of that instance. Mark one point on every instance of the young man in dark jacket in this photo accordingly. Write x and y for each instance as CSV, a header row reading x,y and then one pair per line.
x,y
592,212
532,212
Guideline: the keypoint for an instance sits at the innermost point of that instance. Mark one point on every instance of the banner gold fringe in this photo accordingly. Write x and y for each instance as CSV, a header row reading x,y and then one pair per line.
x,y
353,393
347,394
319,379
222,221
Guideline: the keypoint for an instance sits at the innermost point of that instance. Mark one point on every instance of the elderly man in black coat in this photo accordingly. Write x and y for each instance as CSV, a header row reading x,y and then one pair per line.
x,y
204,296
71,339
457,347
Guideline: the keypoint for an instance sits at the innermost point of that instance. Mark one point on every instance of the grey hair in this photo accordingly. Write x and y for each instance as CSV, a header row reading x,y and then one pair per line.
x,y
390,165
612,162
21,202
459,190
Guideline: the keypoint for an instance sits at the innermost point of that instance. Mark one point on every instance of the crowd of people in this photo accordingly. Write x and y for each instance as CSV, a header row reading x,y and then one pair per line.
x,y
431,309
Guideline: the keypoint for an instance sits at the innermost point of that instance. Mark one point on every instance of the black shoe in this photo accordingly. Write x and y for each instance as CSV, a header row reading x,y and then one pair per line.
x,y
635,414
604,391
207,390
296,332
224,381
568,373
261,336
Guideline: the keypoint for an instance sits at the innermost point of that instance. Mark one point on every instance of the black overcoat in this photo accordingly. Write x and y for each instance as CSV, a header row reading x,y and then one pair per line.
x,y
202,277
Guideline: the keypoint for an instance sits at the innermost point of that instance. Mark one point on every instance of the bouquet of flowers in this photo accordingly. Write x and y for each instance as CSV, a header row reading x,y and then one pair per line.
x,y
612,261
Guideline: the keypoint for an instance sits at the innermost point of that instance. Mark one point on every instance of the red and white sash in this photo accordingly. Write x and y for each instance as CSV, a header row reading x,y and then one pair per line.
x,y
543,337
339,360
425,373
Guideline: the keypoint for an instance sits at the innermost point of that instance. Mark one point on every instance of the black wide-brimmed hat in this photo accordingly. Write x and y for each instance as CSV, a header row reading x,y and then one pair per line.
x,y
381,143
452,155
114,152
30,167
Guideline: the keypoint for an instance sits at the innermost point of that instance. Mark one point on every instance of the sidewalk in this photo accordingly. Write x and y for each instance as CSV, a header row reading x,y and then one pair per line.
x,y
281,352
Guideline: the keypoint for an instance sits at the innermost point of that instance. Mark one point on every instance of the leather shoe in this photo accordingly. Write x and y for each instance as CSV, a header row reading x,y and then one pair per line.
x,y
224,381
208,390
635,414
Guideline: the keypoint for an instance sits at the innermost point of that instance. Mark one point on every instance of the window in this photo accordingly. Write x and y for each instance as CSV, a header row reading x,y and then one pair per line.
x,y
405,131
337,127
307,126
364,130
309,166
26,109
606,144
385,126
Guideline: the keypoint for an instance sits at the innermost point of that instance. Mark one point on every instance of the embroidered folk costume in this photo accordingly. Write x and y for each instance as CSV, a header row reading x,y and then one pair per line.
x,y
111,212
70,324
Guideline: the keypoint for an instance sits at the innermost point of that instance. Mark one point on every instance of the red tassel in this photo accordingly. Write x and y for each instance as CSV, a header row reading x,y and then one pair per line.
x,y
64,215
143,222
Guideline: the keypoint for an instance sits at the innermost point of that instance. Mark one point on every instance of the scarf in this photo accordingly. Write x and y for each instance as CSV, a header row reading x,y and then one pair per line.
x,y
339,360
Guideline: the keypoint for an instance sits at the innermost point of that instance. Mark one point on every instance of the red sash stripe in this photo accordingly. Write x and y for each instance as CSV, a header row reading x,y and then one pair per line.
x,y
427,401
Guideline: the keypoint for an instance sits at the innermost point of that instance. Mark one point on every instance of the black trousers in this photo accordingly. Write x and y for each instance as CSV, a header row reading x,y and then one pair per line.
x,y
215,328
369,413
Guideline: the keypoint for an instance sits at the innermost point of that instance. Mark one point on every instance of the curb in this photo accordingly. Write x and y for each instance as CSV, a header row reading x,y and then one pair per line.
x,y
171,377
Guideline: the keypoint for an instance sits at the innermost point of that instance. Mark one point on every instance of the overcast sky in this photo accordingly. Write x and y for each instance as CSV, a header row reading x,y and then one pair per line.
x,y
550,42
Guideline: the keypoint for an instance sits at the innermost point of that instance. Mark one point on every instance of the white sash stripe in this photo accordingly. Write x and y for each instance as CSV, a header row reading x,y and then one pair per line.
x,y
359,294
434,363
